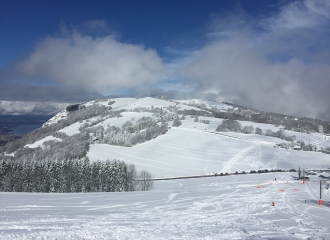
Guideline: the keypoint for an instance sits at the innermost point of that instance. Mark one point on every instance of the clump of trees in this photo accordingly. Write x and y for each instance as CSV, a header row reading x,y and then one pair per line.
x,y
310,147
73,107
248,129
176,123
196,119
279,134
145,129
71,176
194,112
229,125
205,121
326,150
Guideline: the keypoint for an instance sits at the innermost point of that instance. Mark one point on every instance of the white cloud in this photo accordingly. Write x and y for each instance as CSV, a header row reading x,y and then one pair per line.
x,y
27,107
83,62
282,68
302,14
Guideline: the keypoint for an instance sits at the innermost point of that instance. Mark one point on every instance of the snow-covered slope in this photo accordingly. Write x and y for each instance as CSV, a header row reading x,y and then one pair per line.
x,y
186,151
128,104
229,207
58,117
42,141
233,207
194,147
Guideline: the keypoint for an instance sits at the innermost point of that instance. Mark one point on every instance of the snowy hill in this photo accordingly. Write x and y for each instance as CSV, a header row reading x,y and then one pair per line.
x,y
140,131
172,138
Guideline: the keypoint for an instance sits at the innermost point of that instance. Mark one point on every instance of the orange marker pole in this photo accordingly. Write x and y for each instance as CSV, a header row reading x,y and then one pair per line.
x,y
320,201
303,182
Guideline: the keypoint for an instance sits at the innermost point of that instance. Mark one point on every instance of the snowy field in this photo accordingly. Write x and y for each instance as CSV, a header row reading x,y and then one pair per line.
x,y
231,207
187,151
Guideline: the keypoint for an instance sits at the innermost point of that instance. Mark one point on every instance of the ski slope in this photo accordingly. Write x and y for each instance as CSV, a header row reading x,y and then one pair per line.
x,y
184,152
231,207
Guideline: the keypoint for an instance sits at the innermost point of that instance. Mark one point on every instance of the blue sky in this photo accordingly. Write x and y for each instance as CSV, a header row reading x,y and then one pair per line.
x,y
269,55
156,24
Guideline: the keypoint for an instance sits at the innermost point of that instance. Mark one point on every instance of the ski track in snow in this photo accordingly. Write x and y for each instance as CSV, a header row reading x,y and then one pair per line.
x,y
278,157
229,165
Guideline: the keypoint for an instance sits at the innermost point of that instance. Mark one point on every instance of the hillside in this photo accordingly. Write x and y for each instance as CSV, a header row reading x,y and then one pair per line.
x,y
174,138
169,139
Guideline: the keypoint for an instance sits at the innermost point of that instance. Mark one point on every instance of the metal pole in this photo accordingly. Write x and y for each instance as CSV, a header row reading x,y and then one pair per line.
x,y
320,189
299,172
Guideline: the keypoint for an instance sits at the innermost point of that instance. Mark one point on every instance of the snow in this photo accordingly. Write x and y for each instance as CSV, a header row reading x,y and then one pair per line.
x,y
42,141
61,115
228,207
182,152
312,138
9,154
220,106
132,103
323,143
127,116
71,129
231,207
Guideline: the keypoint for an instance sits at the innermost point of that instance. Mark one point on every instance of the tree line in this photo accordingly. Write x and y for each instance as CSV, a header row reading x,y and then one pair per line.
x,y
234,126
237,112
71,176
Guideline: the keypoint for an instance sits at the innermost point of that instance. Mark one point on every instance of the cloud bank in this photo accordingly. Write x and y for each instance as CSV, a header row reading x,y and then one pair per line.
x,y
30,108
82,62
278,64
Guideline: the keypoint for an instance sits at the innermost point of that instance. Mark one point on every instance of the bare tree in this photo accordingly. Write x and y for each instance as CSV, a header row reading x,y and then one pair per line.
x,y
146,183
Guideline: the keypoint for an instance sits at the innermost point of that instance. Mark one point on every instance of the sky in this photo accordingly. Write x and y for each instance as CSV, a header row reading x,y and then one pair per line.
x,y
268,55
